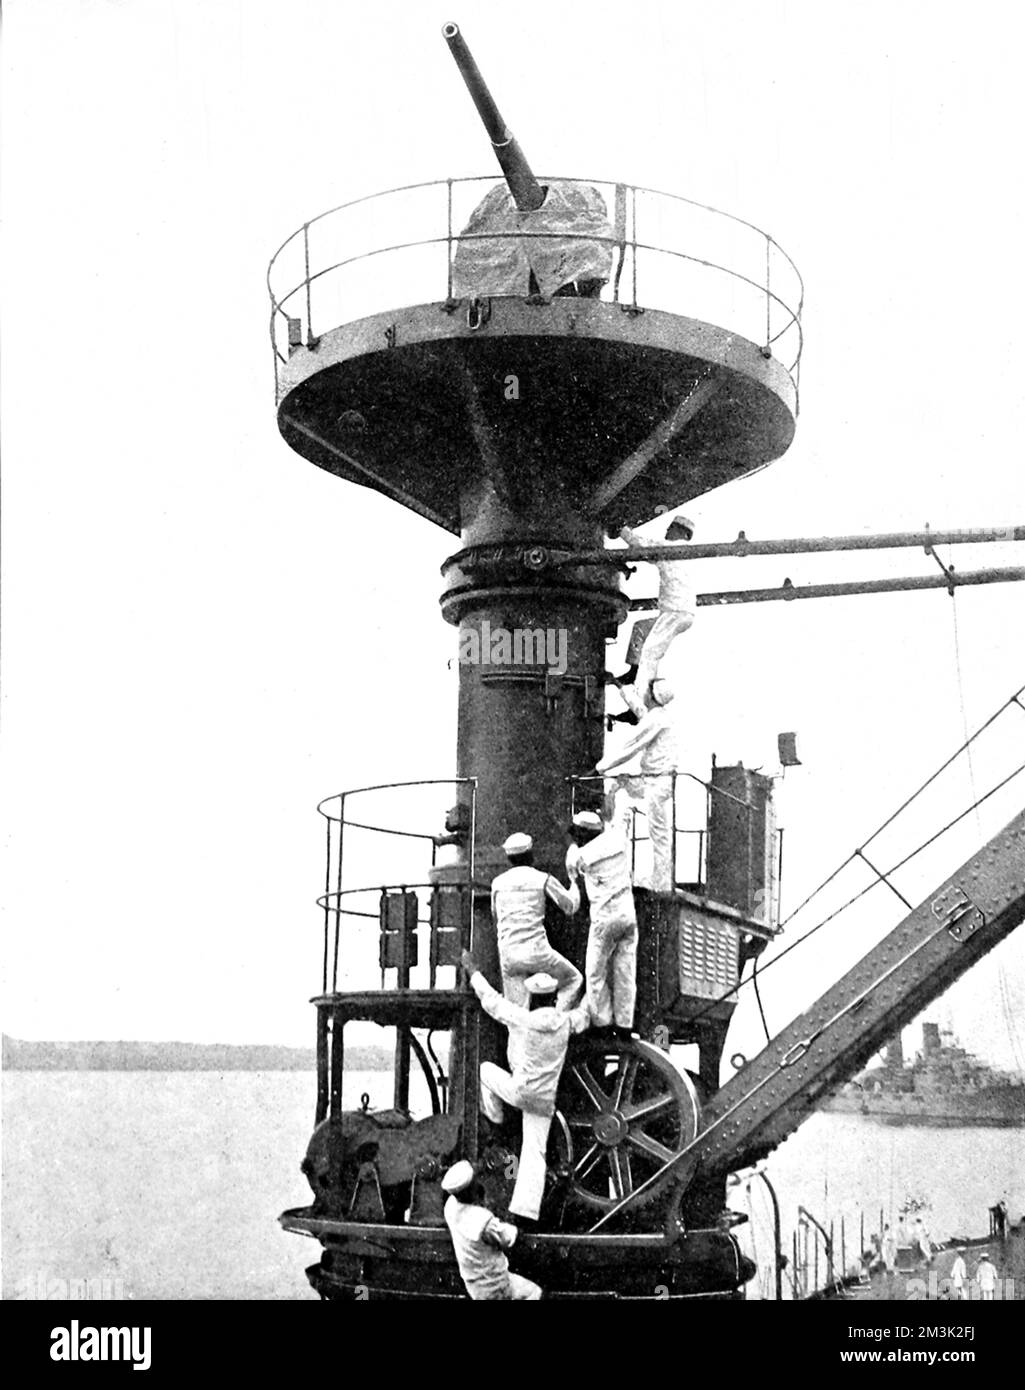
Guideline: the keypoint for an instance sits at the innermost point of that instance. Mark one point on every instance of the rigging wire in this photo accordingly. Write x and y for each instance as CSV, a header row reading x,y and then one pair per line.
x,y
959,671
1012,1031
758,997
882,878
903,807
800,940
760,1228
961,700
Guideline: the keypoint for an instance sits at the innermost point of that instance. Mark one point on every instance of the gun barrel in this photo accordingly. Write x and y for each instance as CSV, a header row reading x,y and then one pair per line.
x,y
524,187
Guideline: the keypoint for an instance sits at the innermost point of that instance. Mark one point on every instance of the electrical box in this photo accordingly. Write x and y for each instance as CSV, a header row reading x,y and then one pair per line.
x,y
741,855
398,946
450,920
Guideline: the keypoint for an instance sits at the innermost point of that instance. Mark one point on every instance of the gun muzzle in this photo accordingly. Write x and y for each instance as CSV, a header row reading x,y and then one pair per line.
x,y
524,187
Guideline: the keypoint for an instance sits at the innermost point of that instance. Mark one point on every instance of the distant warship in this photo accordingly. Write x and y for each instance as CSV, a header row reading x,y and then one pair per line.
x,y
944,1085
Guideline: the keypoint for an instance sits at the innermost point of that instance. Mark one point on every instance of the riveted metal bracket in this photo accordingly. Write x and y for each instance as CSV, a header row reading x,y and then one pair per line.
x,y
959,915
509,559
553,686
795,1053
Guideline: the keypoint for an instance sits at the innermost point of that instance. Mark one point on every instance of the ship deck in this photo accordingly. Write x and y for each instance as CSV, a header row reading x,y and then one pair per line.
x,y
930,1283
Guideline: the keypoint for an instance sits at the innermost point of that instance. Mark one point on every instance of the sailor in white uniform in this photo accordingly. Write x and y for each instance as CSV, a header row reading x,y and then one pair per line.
x,y
677,605
655,740
518,898
959,1274
480,1241
538,1039
986,1276
610,969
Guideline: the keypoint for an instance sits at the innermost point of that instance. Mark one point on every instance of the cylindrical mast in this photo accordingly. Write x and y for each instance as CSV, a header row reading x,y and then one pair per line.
x,y
531,683
523,186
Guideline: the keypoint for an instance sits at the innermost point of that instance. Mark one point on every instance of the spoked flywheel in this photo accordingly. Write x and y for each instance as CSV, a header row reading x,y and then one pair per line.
x,y
628,1112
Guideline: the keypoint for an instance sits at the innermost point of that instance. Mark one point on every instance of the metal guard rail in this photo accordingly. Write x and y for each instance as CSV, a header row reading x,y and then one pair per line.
x,y
334,901
331,903
710,791
336,824
296,302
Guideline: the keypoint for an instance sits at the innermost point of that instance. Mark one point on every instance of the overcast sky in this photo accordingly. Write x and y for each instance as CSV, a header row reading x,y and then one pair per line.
x,y
201,636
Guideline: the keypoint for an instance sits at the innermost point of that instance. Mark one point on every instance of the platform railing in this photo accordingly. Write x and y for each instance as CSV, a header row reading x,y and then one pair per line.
x,y
341,900
342,264
351,905
597,782
345,904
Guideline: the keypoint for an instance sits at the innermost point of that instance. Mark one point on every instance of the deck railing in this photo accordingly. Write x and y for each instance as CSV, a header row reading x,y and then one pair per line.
x,y
423,909
668,252
343,901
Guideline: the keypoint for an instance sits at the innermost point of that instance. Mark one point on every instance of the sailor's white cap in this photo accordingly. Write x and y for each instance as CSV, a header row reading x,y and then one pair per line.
x,y
681,522
541,984
662,692
458,1177
587,820
518,843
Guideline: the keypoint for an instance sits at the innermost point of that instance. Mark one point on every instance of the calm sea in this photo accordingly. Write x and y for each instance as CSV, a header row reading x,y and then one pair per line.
x,y
172,1182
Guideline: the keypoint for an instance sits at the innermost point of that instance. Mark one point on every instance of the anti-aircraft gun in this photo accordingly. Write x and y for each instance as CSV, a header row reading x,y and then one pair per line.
x,y
539,240
523,186
527,425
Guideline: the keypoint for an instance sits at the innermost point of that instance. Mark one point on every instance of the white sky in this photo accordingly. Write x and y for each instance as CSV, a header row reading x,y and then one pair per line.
x,y
199,640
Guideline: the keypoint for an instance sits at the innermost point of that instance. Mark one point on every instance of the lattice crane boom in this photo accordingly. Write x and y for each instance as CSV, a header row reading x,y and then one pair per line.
x,y
934,945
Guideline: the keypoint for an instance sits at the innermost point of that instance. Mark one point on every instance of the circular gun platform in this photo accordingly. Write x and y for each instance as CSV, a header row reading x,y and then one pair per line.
x,y
613,412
